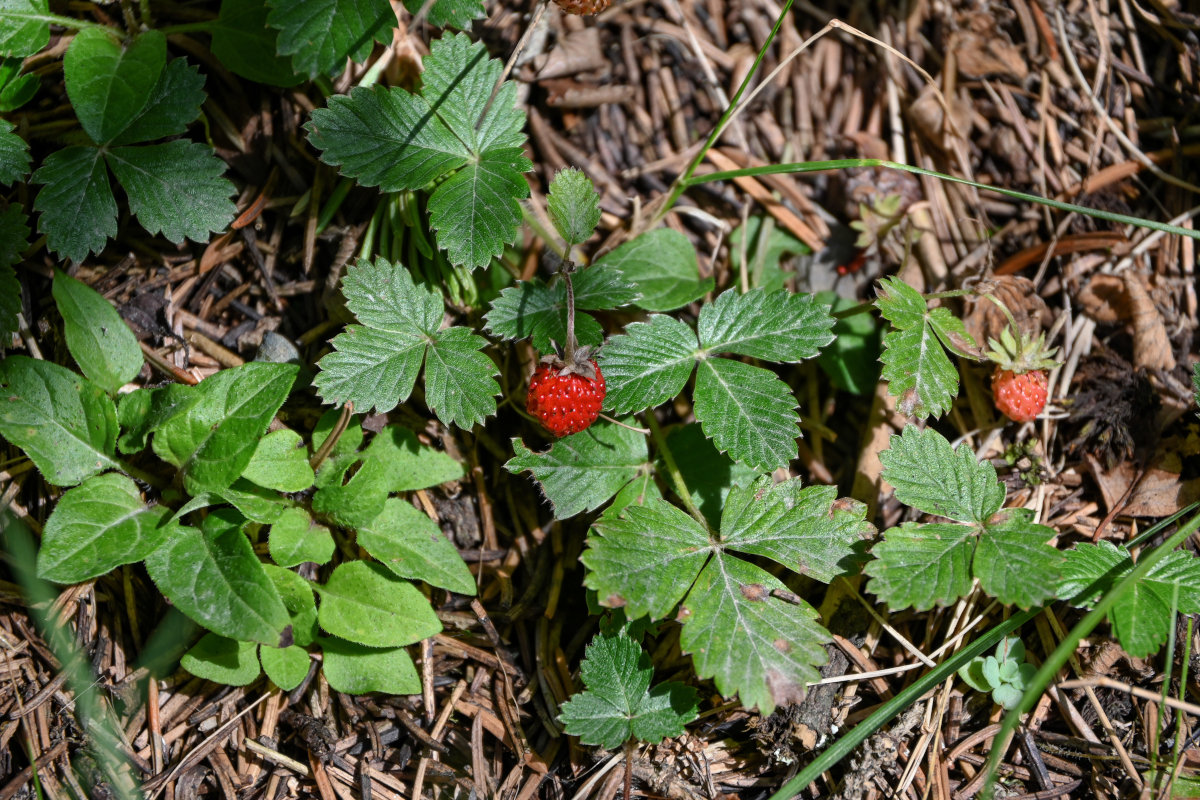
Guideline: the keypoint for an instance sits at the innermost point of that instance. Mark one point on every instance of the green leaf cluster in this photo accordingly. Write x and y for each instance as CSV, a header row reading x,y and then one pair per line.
x,y
1005,673
934,563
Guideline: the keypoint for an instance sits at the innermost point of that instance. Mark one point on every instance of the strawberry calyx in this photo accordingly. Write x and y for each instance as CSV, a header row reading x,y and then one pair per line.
x,y
1020,352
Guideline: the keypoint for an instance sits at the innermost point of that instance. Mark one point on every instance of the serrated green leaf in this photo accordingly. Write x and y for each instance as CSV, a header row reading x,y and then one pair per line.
x,y
922,565
408,463
141,411
807,530
476,211
354,669
214,577
708,473
931,477
214,439
411,545
574,206
645,559
363,603
98,526
78,210
448,13
102,344
382,295
581,472
460,381
662,265
369,368
297,596
619,703
648,364
1013,562
295,539
175,188
174,103
748,412
774,326
287,667
247,46
321,34
24,27
222,660
65,423
748,642
109,81
280,462
14,154
915,365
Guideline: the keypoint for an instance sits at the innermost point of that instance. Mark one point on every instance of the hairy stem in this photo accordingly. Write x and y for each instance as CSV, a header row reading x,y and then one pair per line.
x,y
677,481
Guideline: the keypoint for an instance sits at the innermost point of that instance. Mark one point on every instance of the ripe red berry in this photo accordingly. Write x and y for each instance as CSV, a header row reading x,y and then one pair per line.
x,y
566,398
583,7
1020,396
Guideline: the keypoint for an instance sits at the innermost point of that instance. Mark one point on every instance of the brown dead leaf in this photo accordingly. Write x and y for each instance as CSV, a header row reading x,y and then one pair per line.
x,y
1151,347
1159,492
1104,299
929,117
578,51
984,55
985,320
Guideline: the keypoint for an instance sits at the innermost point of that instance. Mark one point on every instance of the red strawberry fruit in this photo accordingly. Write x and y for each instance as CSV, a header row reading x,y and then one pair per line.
x,y
566,398
1019,382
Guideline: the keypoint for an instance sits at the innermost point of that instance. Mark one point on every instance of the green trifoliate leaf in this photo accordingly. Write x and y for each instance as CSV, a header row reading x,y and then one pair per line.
x,y
295,539
102,344
376,364
298,599
774,326
448,13
174,104
618,703
14,155
214,439
355,669
24,27
245,45
411,545
222,660
14,238
1142,619
749,642
280,462
574,206
321,34
748,412
1013,562
922,565
662,265
581,472
363,603
648,364
931,477
807,530
645,559
109,81
475,212
65,423
915,363
214,577
98,526
78,210
175,188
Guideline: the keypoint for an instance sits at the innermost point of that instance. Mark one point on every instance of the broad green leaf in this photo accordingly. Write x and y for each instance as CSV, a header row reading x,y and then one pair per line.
x,y
1013,562
448,13
245,45
619,704
287,667
24,27
174,104
141,411
460,382
222,660
852,360
708,474
214,577
808,530
321,34
648,364
748,642
98,526
662,265
645,559
109,81
102,344
922,565
14,154
64,423
931,477
78,210
175,188
774,326
295,539
256,503
574,205
297,596
409,464
637,492
16,87
363,603
411,545
581,472
356,502
214,439
748,412
477,210
354,669
14,238
280,462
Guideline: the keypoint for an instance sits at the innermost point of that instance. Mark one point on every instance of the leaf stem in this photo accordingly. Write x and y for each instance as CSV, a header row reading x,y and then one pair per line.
x,y
572,343
677,480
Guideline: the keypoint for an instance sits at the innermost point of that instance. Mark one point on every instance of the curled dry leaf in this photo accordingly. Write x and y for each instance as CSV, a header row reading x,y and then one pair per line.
x,y
986,55
1151,347
578,51
985,320
929,116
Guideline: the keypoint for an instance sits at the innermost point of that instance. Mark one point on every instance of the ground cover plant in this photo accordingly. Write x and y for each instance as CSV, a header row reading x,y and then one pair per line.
x,y
467,417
